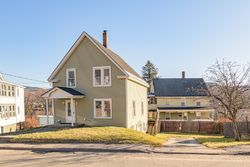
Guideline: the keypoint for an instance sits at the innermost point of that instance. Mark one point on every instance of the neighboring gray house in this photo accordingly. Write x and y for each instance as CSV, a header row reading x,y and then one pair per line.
x,y
92,85
180,99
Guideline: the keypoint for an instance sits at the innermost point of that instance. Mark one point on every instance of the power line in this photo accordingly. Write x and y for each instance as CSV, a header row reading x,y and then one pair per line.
x,y
30,79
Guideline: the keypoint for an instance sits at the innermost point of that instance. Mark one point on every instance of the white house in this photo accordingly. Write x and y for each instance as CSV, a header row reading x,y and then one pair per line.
x,y
11,106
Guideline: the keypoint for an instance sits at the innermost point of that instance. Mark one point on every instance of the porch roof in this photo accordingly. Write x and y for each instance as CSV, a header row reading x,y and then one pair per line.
x,y
62,93
185,109
181,107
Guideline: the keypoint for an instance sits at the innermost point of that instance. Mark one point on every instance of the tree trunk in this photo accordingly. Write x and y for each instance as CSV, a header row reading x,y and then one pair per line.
x,y
236,131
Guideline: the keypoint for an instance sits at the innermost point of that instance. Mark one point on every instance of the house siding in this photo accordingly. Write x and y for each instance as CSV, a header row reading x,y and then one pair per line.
x,y
10,117
138,94
83,59
8,128
189,101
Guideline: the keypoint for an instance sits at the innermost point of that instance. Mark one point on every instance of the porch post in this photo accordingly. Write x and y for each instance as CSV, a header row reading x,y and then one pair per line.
x,y
47,110
72,109
53,108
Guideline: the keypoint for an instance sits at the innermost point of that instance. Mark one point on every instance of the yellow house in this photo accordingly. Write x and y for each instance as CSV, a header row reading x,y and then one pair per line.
x,y
92,85
181,99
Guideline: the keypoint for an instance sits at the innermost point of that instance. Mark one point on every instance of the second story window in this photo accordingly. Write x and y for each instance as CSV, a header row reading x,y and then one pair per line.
x,y
71,77
153,100
9,90
182,104
102,76
198,103
13,91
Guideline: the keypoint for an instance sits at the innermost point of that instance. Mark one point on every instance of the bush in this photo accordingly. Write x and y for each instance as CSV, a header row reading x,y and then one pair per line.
x,y
30,122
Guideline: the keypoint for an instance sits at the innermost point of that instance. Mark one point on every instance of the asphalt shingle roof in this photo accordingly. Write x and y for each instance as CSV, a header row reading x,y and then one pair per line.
x,y
71,91
179,87
116,58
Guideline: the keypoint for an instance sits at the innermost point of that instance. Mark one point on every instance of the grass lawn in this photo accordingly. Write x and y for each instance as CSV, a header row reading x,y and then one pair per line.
x,y
90,135
212,141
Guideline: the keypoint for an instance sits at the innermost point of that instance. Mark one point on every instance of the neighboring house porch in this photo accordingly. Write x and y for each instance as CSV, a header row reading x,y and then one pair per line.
x,y
185,113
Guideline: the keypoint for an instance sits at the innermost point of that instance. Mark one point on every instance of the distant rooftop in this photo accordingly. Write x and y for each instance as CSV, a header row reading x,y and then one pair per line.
x,y
179,87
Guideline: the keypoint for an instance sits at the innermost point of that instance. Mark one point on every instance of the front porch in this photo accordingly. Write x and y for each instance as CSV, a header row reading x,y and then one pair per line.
x,y
183,114
68,97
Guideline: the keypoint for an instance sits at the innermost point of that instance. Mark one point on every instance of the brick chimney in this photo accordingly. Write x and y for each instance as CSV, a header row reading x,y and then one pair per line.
x,y
183,75
105,38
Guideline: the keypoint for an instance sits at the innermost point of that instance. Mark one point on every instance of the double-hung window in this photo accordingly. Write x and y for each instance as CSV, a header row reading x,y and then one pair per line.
x,y
8,90
71,77
102,108
142,108
102,76
3,89
198,103
12,91
134,108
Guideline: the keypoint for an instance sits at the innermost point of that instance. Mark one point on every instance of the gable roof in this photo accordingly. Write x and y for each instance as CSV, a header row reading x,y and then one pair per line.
x,y
179,87
71,91
117,60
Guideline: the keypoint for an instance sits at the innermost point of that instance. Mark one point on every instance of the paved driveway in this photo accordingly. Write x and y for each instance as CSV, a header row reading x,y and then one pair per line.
x,y
188,146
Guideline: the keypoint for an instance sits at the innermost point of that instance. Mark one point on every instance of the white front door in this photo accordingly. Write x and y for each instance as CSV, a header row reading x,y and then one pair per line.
x,y
70,116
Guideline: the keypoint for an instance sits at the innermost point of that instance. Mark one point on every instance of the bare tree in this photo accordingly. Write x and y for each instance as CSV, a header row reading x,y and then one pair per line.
x,y
34,103
229,89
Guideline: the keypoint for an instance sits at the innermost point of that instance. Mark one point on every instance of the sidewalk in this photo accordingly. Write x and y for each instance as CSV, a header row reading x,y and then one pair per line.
x,y
172,146
240,150
77,147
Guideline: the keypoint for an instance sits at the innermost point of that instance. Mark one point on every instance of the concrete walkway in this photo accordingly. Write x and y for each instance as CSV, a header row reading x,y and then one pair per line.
x,y
188,146
239,150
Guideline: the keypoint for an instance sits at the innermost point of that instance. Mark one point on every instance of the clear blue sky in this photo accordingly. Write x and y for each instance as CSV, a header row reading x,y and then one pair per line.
x,y
175,35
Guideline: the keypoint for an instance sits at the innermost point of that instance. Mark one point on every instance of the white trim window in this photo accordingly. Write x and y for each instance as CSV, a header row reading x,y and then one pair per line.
x,y
134,108
71,77
198,103
102,76
103,108
142,108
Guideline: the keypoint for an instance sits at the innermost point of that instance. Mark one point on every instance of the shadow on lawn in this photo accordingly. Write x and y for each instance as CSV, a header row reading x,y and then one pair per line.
x,y
41,150
34,130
